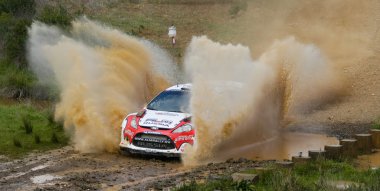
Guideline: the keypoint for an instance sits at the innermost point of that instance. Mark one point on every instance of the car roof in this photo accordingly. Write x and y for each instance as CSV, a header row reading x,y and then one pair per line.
x,y
215,84
179,87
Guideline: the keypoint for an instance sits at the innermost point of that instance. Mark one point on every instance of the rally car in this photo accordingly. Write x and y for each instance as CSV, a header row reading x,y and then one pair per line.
x,y
163,127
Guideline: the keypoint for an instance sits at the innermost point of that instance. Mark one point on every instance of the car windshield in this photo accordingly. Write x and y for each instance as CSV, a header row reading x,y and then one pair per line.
x,y
171,101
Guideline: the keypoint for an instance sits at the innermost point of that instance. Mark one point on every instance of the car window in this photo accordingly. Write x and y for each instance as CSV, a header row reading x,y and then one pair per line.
x,y
172,101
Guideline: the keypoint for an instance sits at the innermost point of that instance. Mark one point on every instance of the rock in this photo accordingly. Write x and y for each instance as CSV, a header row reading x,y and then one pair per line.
x,y
238,177
342,185
230,160
300,159
260,170
242,160
284,164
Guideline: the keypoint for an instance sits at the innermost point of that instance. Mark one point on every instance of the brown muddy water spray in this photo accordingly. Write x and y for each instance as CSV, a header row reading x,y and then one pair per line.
x,y
237,100
102,75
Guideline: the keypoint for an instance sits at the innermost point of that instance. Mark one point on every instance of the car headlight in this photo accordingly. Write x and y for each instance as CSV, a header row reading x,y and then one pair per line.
x,y
134,123
184,128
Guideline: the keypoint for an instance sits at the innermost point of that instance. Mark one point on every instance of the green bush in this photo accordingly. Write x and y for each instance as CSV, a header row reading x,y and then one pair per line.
x,y
15,17
376,124
5,22
18,8
15,41
55,16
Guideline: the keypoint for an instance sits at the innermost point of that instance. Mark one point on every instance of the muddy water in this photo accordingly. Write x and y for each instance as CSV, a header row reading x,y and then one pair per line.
x,y
283,146
369,161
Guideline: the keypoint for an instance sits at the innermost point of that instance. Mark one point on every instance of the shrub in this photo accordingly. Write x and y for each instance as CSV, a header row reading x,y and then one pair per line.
x,y
18,8
16,16
16,142
376,124
50,117
55,16
27,125
15,40
54,138
37,139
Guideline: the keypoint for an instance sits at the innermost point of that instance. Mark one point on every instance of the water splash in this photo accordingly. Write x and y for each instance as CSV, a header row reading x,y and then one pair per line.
x,y
102,75
238,101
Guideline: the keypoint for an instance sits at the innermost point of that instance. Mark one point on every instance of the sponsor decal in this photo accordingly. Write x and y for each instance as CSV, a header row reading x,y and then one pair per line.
x,y
152,132
163,122
184,138
129,132
151,140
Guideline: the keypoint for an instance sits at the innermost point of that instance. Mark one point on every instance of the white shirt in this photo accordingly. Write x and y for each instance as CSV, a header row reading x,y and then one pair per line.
x,y
172,31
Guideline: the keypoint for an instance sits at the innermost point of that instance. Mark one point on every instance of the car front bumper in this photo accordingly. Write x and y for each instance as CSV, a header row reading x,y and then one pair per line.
x,y
126,146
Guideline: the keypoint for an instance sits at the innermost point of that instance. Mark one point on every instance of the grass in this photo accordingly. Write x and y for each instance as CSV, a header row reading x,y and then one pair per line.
x,y
150,20
16,140
318,175
376,124
17,82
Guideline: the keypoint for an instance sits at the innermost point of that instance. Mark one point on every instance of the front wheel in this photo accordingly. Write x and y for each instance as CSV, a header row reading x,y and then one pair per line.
x,y
124,152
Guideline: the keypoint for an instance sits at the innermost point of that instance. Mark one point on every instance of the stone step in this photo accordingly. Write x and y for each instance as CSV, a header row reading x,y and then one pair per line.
x,y
334,151
375,138
316,154
349,148
364,143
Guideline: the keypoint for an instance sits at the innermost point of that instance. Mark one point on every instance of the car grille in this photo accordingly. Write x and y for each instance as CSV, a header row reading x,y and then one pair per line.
x,y
153,141
154,128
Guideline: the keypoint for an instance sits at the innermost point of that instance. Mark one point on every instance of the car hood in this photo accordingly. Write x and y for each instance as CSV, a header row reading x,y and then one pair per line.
x,y
162,119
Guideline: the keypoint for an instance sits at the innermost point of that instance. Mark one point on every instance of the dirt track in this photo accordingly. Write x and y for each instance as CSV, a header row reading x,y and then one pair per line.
x,y
65,169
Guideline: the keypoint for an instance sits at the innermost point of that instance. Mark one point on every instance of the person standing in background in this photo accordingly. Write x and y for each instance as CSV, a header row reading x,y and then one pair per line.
x,y
172,33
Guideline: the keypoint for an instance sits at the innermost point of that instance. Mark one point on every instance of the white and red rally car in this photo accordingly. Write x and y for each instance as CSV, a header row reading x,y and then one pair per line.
x,y
163,127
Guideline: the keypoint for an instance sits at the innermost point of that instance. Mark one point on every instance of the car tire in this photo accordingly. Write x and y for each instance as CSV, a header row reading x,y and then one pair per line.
x,y
125,152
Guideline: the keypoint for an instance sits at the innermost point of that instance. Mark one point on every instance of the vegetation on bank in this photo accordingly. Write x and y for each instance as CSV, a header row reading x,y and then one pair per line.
x,y
25,127
376,124
16,16
319,175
